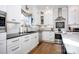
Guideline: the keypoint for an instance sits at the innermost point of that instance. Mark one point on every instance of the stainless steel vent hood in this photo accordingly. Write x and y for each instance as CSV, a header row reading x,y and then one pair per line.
x,y
60,17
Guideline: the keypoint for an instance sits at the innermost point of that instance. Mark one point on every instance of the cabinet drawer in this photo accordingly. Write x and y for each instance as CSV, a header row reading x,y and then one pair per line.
x,y
2,36
13,49
3,47
12,42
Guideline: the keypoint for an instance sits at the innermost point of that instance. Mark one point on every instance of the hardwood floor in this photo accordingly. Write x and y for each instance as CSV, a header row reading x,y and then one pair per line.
x,y
47,48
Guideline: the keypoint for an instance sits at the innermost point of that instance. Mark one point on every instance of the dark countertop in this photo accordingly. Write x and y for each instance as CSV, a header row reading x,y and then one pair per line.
x,y
14,35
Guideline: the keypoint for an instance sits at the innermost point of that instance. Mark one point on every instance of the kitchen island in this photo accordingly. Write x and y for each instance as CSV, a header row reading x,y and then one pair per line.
x,y
71,42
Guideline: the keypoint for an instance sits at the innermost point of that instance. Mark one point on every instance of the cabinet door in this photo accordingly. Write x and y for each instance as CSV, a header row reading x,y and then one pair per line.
x,y
48,17
12,42
36,16
45,36
2,36
2,43
34,40
3,8
13,12
13,46
73,15
55,13
2,46
48,36
77,15
24,40
51,37
13,49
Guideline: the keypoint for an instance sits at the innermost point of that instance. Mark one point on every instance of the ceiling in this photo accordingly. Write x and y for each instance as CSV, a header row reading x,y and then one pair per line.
x,y
50,6
43,7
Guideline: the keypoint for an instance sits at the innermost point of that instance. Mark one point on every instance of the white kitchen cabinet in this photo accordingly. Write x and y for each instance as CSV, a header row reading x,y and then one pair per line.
x,y
3,8
2,43
48,17
34,40
13,13
73,16
25,43
55,13
28,42
36,16
2,46
48,36
13,46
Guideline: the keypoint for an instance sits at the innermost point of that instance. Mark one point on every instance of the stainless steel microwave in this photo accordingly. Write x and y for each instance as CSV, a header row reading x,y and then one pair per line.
x,y
2,21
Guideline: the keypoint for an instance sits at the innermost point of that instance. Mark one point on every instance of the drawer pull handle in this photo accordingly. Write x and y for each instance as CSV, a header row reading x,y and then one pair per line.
x,y
27,37
26,40
15,40
15,49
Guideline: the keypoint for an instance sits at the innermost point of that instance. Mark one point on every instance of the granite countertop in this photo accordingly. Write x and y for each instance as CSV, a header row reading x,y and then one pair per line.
x,y
14,35
71,38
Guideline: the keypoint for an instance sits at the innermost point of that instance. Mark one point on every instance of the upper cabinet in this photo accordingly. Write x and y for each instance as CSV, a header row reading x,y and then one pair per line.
x,y
36,16
3,8
13,13
26,10
73,16
48,17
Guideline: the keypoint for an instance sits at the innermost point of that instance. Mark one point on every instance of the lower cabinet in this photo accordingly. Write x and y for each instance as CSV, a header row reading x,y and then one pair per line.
x,y
34,40
2,46
23,44
28,42
13,46
3,43
48,36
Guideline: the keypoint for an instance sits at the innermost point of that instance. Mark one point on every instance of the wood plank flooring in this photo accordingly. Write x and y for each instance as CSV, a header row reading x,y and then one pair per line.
x,y
47,48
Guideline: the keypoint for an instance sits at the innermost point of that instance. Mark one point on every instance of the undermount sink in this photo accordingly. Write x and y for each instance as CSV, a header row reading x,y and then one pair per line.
x,y
31,32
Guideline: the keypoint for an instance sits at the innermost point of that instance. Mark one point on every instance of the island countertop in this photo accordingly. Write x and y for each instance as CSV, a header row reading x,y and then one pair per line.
x,y
71,41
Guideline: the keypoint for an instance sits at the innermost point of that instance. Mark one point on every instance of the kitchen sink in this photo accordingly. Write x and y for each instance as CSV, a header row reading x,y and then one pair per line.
x,y
31,32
